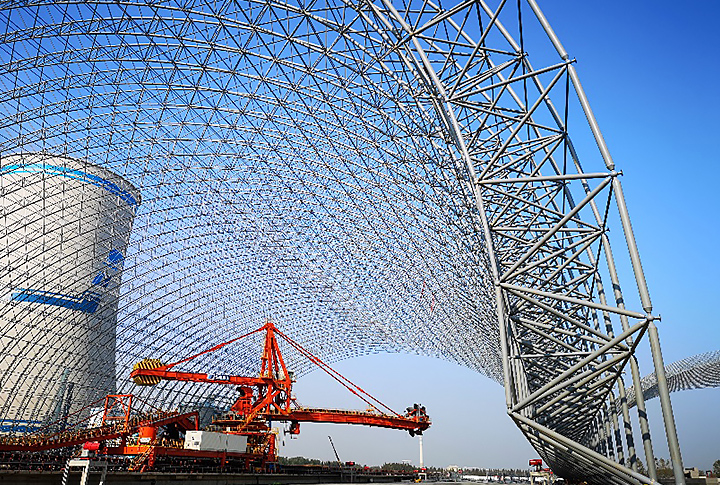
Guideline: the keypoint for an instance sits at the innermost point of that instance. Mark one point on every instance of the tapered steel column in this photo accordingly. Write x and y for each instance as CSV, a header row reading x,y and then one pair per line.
x,y
666,405
642,417
634,369
627,426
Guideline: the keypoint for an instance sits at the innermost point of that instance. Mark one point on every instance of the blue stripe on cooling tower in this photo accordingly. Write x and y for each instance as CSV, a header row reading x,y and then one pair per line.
x,y
19,425
73,174
87,303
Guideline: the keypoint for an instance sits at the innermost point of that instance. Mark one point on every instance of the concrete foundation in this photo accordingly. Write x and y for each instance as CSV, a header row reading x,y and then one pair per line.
x,y
24,477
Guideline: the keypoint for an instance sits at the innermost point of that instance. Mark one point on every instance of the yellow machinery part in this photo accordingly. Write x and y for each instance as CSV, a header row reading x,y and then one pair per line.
x,y
147,380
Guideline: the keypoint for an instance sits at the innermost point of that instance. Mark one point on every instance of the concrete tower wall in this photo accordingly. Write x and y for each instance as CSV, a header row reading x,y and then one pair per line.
x,y
65,226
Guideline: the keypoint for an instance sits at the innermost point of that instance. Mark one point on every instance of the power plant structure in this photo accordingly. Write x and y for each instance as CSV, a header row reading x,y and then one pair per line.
x,y
66,225
375,176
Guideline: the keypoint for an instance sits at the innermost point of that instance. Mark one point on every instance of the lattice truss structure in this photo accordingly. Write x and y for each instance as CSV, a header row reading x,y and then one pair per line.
x,y
372,176
700,371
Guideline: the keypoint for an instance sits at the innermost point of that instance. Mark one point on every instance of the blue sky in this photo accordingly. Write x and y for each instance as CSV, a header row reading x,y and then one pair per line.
x,y
650,70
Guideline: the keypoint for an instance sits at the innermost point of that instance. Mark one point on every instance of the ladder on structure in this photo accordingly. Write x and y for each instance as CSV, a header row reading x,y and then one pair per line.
x,y
85,464
139,461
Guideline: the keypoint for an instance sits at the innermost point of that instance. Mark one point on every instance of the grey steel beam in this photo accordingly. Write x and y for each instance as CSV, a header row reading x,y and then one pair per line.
x,y
335,146
666,405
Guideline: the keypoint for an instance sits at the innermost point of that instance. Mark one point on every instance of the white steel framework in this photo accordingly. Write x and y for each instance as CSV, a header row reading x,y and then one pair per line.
x,y
373,176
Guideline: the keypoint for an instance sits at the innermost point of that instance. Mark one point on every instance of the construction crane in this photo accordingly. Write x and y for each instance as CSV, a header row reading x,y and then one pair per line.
x,y
337,457
268,397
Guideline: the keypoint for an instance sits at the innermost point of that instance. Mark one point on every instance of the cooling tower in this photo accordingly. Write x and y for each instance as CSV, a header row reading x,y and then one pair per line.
x,y
65,225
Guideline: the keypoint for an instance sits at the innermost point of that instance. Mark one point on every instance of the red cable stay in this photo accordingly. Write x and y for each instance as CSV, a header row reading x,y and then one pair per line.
x,y
268,397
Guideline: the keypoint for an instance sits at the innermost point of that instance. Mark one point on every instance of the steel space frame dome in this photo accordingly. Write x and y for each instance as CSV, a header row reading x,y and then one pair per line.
x,y
372,176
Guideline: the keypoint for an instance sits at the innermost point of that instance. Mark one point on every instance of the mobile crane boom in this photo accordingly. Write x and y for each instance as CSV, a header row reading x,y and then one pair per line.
x,y
334,450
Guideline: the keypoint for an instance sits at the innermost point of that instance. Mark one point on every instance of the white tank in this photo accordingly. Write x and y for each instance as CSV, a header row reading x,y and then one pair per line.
x,y
64,230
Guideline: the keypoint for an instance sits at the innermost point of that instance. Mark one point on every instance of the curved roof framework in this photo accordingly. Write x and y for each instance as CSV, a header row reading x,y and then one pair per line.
x,y
372,177
697,372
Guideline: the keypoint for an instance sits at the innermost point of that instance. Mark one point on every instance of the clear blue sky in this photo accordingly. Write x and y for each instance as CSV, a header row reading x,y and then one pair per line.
x,y
651,71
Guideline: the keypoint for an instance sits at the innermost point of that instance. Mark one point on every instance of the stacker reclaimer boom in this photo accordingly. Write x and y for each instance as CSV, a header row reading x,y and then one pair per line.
x,y
268,396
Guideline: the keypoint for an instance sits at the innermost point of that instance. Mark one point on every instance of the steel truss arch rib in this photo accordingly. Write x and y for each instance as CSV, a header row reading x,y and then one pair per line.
x,y
352,170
